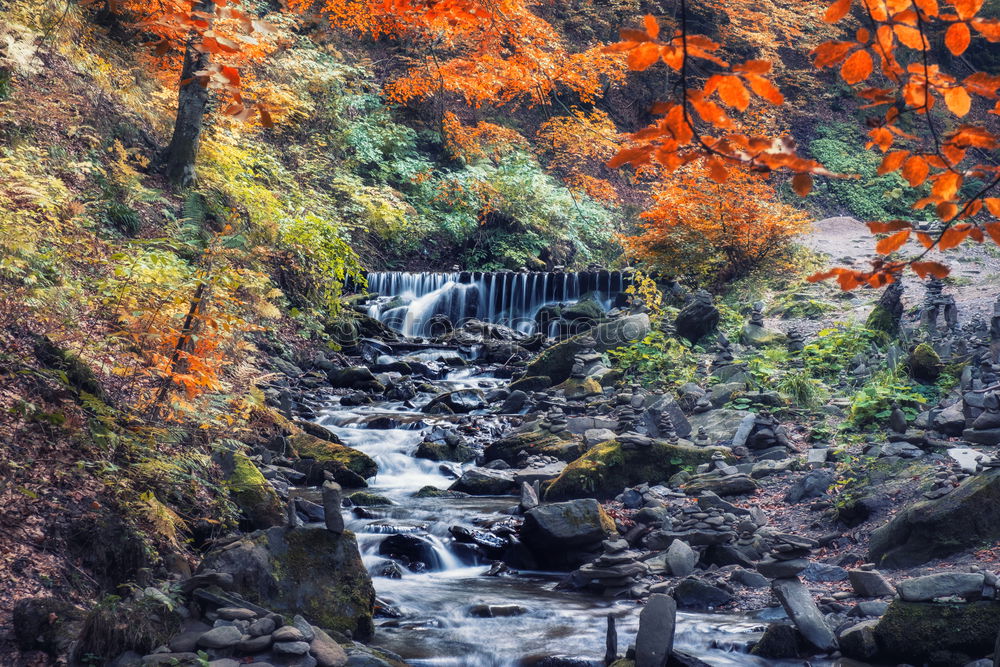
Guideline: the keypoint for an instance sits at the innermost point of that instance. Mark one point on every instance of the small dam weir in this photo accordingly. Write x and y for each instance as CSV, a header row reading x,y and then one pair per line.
x,y
410,302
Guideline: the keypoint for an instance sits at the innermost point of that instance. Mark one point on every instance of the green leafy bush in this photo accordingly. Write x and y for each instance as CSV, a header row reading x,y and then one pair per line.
x,y
870,197
657,358
873,401
830,353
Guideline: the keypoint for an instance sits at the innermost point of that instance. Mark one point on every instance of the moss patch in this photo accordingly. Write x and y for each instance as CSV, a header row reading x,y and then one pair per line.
x,y
607,468
941,634
534,442
255,497
924,363
337,459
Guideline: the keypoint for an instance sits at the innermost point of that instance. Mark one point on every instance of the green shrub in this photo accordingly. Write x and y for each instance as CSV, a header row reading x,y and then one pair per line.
x,y
123,217
830,353
873,401
870,197
657,358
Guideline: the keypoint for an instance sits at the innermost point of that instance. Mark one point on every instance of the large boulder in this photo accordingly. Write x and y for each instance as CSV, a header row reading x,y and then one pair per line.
x,y
258,501
588,310
485,482
558,532
349,467
966,517
354,377
755,335
698,318
556,362
947,634
457,402
968,585
610,466
720,425
509,447
924,363
308,571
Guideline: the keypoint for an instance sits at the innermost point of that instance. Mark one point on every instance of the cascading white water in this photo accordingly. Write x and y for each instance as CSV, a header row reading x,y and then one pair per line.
x,y
408,302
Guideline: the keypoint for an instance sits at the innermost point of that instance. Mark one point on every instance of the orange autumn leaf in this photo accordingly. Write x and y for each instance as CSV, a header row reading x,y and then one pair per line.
x,y
802,184
936,269
837,11
892,243
993,229
886,227
857,67
957,38
993,206
915,170
892,162
953,236
957,100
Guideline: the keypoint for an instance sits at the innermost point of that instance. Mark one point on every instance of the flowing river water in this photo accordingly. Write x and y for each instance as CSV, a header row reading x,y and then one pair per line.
x,y
436,627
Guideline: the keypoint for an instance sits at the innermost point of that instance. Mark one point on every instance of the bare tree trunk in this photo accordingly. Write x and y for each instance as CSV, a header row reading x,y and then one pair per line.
x,y
179,157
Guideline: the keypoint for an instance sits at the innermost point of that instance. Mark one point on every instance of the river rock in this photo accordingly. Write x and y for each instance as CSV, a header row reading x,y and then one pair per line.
x,y
870,583
912,631
698,318
858,641
610,466
813,485
967,585
557,532
801,608
349,467
354,377
221,637
720,425
412,548
966,517
308,571
556,362
328,653
654,642
460,401
332,503
485,482
693,593
681,559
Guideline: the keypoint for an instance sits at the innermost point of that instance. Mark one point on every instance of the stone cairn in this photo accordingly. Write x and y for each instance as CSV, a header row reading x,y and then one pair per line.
x,y
936,304
789,555
796,341
666,428
614,572
757,314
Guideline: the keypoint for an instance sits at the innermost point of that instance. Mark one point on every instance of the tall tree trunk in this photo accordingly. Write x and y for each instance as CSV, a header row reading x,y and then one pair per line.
x,y
180,155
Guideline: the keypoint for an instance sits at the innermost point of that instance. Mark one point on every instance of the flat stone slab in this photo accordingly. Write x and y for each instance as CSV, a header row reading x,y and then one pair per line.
x,y
801,608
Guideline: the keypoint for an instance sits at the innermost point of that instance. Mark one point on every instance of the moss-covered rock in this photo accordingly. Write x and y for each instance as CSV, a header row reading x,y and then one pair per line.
x,y
585,309
579,388
368,499
534,442
348,466
938,634
924,363
46,624
609,467
442,451
434,492
557,361
965,518
256,498
531,383
881,319
308,571
757,336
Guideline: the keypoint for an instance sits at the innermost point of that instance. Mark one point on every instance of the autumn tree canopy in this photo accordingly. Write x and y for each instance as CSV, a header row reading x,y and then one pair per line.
x,y
716,231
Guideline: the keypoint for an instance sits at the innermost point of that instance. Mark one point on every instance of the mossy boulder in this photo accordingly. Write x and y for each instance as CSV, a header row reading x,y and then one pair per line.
x,y
757,336
534,442
579,388
46,624
967,517
557,361
348,466
308,571
924,363
531,383
609,467
368,499
442,451
880,319
254,495
434,492
585,309
938,634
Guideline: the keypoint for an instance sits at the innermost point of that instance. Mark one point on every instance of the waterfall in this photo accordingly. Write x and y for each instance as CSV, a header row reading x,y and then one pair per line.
x,y
408,302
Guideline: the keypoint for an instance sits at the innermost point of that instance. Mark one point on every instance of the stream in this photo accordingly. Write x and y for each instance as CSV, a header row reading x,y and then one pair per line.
x,y
436,627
